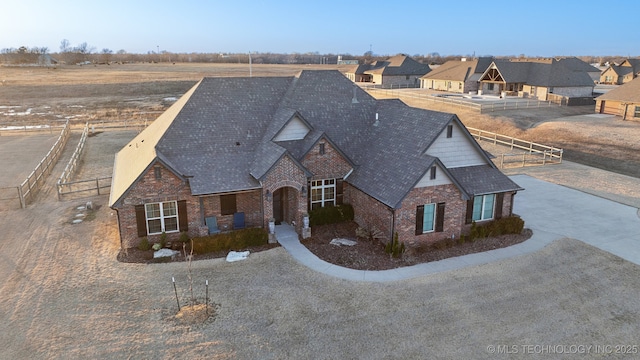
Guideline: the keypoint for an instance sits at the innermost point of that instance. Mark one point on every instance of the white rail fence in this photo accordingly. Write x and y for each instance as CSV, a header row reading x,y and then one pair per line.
x,y
530,153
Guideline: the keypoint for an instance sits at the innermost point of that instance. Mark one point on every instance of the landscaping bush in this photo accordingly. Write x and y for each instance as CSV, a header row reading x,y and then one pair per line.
x,y
506,225
144,244
395,248
234,240
331,215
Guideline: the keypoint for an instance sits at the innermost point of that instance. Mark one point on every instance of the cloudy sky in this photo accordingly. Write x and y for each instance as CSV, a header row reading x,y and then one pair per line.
x,y
462,27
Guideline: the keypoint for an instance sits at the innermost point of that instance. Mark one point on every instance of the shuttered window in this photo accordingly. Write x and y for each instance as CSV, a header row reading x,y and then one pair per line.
x,y
430,218
156,218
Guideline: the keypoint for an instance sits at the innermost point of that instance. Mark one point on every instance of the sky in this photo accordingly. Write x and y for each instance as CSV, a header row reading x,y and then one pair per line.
x,y
416,27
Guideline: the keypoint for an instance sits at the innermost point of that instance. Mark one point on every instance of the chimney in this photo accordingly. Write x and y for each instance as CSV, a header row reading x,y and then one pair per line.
x,y
377,121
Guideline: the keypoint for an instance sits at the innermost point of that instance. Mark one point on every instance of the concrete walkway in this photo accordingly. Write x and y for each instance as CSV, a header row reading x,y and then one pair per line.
x,y
551,211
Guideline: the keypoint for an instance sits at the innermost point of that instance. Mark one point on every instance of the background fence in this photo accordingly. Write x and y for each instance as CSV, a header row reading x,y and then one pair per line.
x,y
530,153
34,182
75,157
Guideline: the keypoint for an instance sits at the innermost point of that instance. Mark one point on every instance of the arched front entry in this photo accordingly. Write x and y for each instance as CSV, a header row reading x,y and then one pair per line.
x,y
286,205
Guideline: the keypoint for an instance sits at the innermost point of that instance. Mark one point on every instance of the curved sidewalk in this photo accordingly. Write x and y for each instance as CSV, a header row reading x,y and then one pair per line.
x,y
551,211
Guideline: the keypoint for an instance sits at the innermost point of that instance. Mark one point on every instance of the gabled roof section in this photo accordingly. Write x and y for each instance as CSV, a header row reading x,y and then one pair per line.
x,y
394,159
629,92
538,72
483,179
400,65
458,70
295,129
132,160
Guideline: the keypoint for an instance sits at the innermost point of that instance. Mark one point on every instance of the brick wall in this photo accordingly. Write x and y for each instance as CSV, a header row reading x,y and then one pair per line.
x,y
149,190
285,173
329,165
247,202
454,216
369,213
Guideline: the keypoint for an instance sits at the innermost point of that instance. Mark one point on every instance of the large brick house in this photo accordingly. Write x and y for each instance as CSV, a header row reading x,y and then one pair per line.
x,y
276,147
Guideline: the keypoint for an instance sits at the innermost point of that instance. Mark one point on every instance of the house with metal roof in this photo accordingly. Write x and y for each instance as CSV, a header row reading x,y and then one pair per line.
x,y
541,79
459,76
614,74
279,147
623,101
397,71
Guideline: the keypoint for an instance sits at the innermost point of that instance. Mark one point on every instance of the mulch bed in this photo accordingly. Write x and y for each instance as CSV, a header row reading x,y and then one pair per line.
x,y
135,255
365,255
370,255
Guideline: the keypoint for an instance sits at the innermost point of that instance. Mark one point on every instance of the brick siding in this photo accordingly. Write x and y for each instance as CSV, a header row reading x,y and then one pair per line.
x,y
329,165
150,190
285,173
454,215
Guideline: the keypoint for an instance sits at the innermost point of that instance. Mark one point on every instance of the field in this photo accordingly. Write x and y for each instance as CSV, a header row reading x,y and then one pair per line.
x,y
64,295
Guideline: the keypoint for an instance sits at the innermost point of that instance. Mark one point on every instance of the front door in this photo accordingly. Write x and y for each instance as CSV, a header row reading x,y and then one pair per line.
x,y
278,205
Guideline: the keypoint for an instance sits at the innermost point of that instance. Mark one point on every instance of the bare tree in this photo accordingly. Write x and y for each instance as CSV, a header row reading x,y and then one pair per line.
x,y
105,55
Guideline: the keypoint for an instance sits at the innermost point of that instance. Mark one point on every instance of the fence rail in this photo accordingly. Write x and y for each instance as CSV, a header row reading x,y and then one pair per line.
x,y
28,189
75,157
457,101
531,153
80,188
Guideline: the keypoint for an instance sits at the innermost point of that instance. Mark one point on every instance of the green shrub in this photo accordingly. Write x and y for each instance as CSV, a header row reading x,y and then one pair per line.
x,y
163,240
234,240
144,244
331,215
395,248
506,225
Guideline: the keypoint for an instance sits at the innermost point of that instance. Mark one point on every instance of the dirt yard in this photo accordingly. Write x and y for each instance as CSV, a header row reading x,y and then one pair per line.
x,y
65,296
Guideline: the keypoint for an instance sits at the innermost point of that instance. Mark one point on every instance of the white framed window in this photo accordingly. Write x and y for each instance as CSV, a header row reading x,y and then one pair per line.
x,y
161,217
429,218
483,206
323,193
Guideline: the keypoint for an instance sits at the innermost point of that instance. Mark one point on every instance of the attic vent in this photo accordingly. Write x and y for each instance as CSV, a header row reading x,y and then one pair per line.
x,y
237,143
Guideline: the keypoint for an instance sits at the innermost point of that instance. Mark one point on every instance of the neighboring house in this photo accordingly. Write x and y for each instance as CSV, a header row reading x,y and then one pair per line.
x,y
622,101
576,64
540,79
400,70
277,147
620,74
460,76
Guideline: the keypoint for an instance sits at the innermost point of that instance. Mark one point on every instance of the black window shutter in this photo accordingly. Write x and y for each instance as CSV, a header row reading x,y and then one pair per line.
x,y
141,220
339,192
499,201
440,217
469,215
183,219
419,219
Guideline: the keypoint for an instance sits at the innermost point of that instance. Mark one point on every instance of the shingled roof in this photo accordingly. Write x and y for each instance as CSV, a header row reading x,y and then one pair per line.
x,y
221,135
459,70
629,92
542,72
396,65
